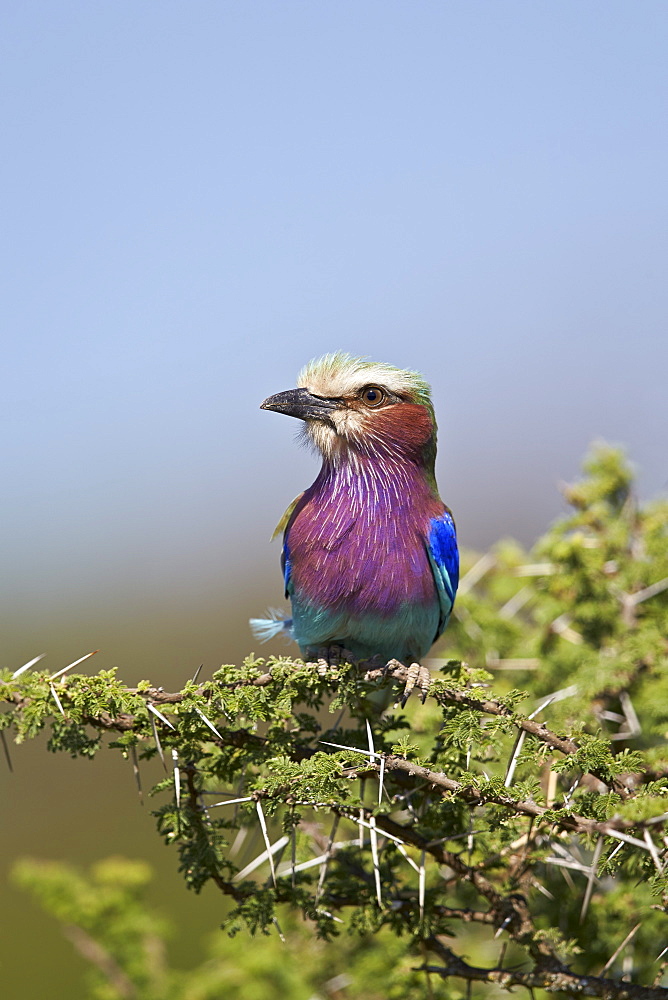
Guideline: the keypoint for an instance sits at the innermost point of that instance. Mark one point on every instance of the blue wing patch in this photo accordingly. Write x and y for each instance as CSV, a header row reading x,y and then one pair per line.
x,y
444,558
286,566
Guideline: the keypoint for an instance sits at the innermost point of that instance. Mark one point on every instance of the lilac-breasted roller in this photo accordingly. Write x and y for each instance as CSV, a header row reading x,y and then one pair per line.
x,y
370,558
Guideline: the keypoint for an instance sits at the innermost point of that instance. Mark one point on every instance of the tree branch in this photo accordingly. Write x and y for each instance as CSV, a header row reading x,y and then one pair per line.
x,y
559,980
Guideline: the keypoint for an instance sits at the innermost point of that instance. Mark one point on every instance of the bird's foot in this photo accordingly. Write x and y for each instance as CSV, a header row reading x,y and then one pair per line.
x,y
334,656
392,665
418,677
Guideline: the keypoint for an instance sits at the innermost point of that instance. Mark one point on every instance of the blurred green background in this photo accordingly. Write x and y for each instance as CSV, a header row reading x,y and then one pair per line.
x,y
201,197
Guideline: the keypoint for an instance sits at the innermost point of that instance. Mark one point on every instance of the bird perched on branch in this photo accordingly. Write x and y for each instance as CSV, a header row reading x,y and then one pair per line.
x,y
370,558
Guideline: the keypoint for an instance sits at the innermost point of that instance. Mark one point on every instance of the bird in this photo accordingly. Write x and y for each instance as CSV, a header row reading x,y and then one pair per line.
x,y
370,559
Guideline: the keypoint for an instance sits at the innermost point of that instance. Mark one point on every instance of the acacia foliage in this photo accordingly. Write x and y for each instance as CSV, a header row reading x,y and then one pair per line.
x,y
518,815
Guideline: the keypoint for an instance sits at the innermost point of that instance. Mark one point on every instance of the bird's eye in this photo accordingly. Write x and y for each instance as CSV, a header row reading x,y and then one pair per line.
x,y
373,395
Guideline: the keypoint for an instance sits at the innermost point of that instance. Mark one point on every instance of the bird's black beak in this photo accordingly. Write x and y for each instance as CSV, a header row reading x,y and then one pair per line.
x,y
301,403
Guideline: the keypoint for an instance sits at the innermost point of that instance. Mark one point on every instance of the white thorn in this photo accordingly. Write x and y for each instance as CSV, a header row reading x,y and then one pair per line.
x,y
617,849
374,858
541,888
74,663
535,569
620,949
28,665
643,595
632,720
261,858
158,744
572,865
421,885
592,878
208,722
327,856
372,749
340,746
263,825
512,764
162,718
477,571
402,850
651,847
293,855
177,778
54,694
389,836
516,602
559,695
626,838
230,802
381,778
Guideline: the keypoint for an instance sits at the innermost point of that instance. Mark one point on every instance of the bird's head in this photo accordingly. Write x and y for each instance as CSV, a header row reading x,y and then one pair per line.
x,y
353,407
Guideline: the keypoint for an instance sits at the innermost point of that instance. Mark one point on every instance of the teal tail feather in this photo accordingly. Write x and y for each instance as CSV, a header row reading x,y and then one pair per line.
x,y
266,628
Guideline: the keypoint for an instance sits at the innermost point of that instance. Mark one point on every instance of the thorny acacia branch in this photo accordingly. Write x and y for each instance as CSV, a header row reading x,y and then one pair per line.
x,y
555,980
399,672
241,738
506,911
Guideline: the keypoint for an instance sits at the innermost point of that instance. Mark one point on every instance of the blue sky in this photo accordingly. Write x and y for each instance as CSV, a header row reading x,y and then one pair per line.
x,y
200,197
